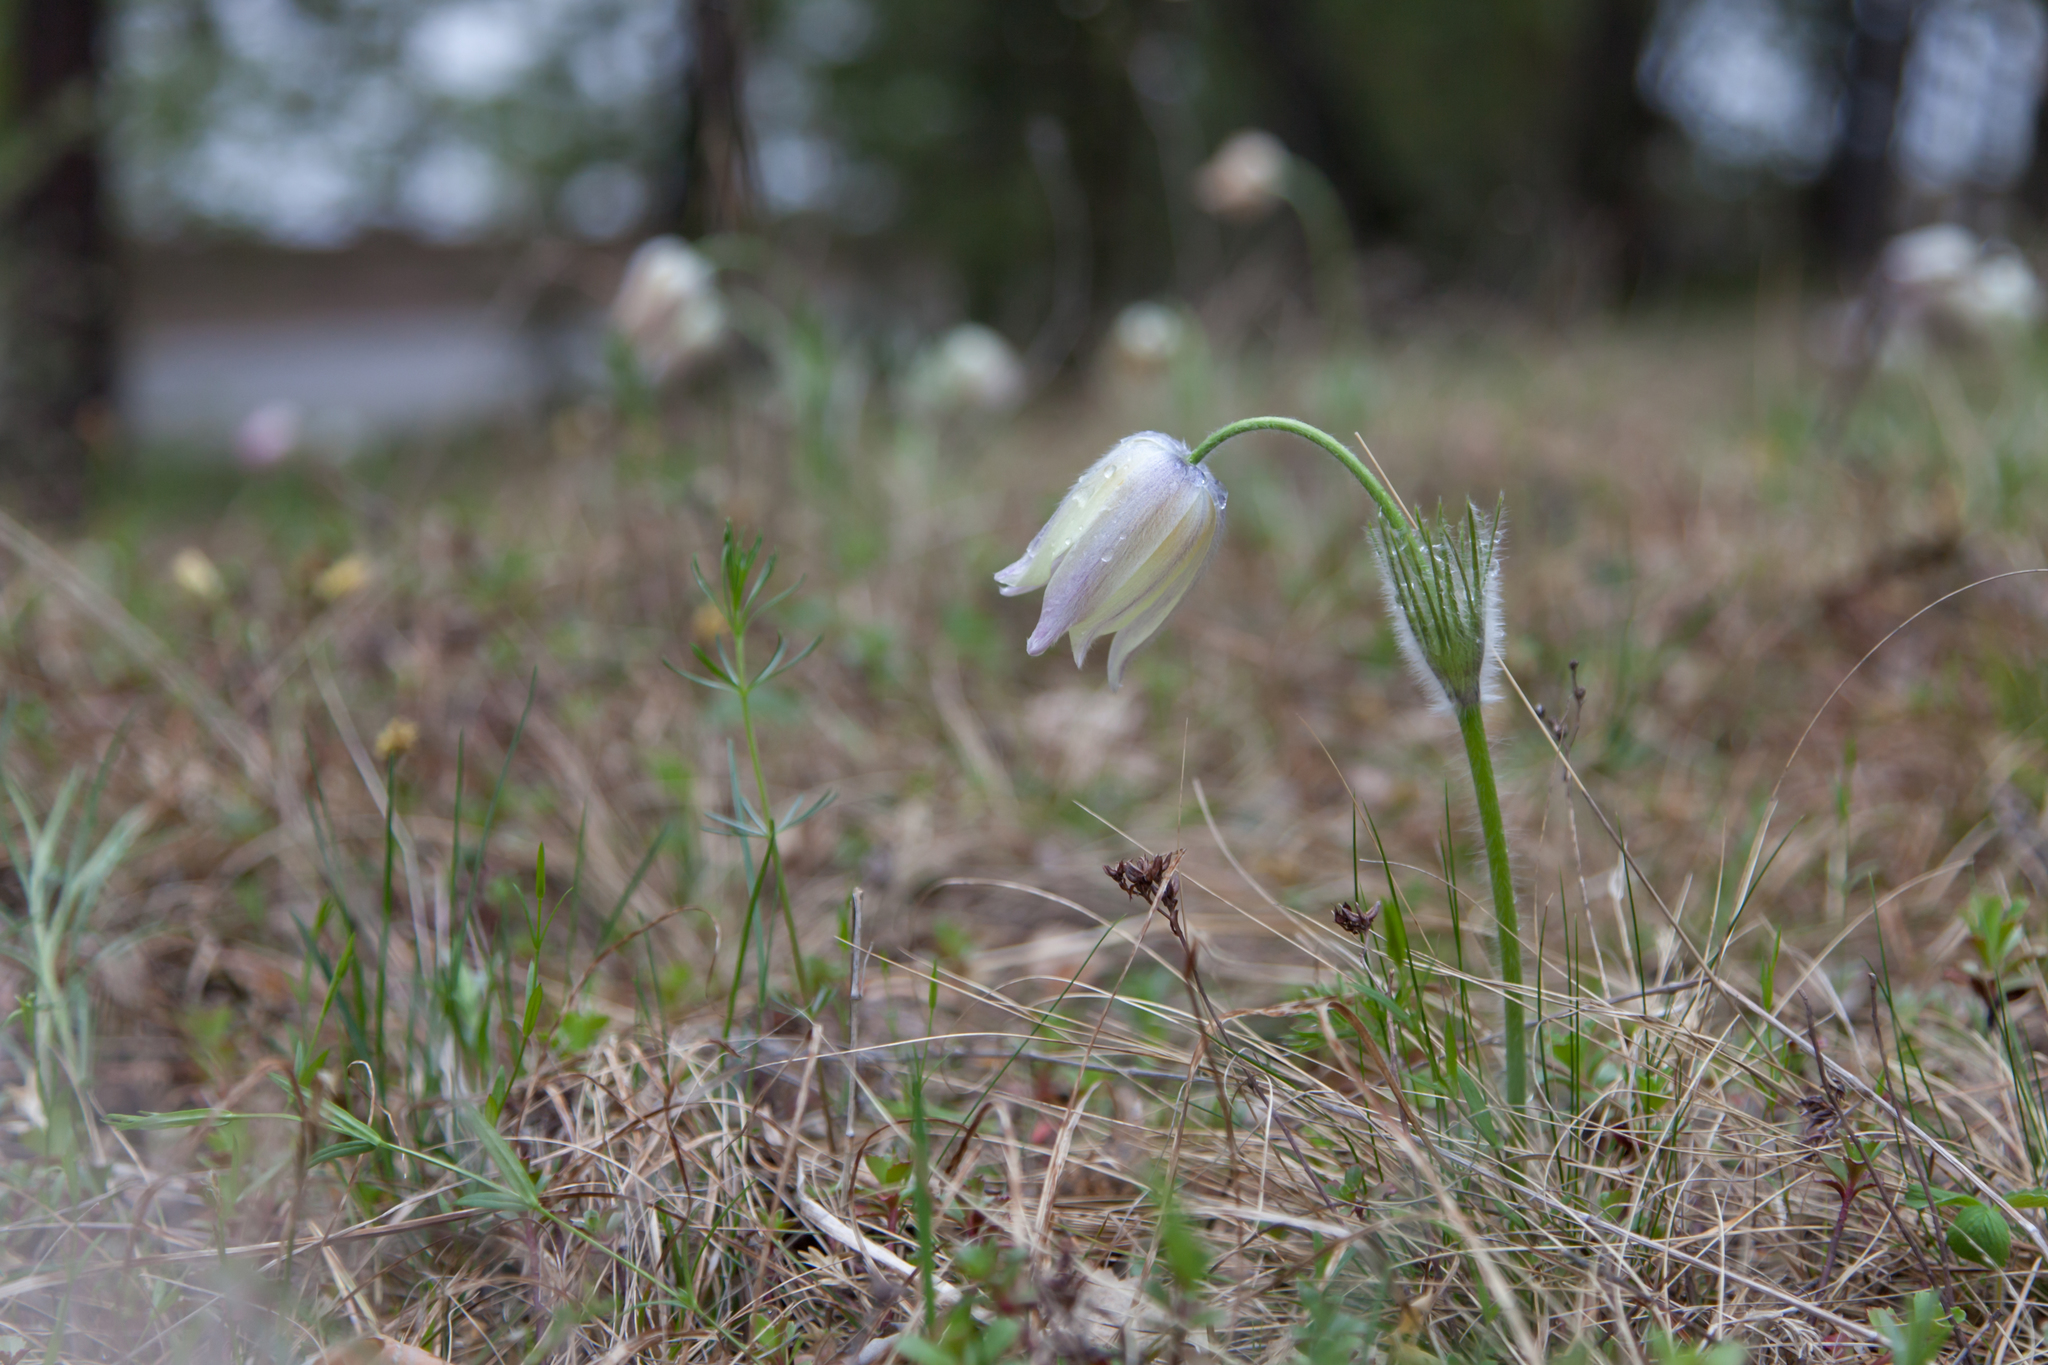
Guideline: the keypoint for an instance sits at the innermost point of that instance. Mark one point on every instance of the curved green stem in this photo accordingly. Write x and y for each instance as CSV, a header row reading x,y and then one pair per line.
x,y
1472,725
1390,506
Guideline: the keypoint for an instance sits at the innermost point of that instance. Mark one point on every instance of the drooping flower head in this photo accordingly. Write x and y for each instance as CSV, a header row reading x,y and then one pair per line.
x,y
1442,585
1146,337
669,308
1246,178
970,369
1122,549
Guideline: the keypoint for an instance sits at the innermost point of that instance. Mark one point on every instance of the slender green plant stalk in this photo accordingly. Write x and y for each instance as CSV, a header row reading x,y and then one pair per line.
x,y
737,599
773,852
1479,755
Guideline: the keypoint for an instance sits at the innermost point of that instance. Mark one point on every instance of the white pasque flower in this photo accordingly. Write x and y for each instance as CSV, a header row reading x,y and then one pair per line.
x,y
1147,336
970,369
1246,178
1122,549
668,307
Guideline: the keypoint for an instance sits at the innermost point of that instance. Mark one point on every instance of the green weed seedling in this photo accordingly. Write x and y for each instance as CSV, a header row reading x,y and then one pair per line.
x,y
63,873
736,595
1919,1338
989,1324
1668,1349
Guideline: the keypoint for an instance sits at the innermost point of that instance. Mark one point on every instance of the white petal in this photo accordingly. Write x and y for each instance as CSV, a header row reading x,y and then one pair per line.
x,y
1145,623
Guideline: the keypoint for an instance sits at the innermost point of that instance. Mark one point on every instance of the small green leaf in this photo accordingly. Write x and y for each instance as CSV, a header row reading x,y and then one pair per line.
x,y
531,1018
1916,1198
184,1118
1918,1340
2028,1199
578,1029
338,1151
1981,1234
922,1352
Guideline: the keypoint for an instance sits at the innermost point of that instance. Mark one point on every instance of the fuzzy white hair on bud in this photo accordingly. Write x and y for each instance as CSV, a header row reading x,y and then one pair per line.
x,y
1442,587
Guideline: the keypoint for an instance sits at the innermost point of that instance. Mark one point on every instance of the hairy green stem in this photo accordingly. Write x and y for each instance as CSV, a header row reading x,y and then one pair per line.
x,y
1472,725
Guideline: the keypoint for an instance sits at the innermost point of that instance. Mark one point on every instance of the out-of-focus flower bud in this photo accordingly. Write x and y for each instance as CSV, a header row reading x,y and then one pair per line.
x,y
1147,336
347,575
1122,549
669,308
195,575
1941,285
2000,296
396,739
1246,178
269,435
970,369
1928,258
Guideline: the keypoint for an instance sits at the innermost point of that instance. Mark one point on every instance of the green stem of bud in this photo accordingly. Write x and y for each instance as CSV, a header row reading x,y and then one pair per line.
x,y
1390,507
1472,725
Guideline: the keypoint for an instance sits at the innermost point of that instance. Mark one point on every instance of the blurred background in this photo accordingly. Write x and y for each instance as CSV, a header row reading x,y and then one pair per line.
x,y
314,224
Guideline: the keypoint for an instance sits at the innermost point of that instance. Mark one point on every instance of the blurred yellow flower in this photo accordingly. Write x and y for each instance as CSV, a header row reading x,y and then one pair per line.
x,y
396,739
195,575
707,623
349,574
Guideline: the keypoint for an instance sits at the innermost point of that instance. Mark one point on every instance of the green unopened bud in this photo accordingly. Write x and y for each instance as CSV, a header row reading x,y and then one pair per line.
x,y
1443,593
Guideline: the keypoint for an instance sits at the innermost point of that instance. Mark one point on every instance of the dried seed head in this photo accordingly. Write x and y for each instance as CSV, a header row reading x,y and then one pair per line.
x,y
1358,923
396,739
1154,880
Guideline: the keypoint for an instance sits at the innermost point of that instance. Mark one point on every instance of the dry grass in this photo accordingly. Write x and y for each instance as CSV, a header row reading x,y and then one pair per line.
x,y
1071,1124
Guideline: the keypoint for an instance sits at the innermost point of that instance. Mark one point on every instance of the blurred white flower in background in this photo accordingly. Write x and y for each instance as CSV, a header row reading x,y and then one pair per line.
x,y
669,309
1147,336
969,369
1943,283
2002,295
1928,258
269,435
1246,178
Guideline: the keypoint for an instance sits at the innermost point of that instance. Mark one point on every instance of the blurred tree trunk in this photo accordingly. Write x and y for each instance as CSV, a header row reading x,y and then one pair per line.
x,y
717,189
1611,130
1855,201
57,287
1309,114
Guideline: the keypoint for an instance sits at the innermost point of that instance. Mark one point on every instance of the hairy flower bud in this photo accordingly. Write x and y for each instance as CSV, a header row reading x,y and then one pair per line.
x,y
1443,594
1122,549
